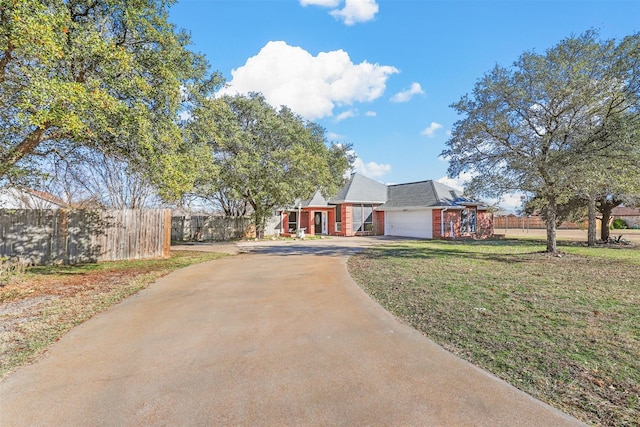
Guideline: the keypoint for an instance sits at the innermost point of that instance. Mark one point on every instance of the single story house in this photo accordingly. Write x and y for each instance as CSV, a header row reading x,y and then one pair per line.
x,y
28,198
363,206
629,215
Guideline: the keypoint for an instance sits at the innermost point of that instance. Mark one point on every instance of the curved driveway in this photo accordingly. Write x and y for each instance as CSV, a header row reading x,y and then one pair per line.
x,y
277,336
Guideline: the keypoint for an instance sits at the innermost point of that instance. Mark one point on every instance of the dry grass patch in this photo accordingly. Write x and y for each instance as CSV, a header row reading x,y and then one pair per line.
x,y
39,305
565,330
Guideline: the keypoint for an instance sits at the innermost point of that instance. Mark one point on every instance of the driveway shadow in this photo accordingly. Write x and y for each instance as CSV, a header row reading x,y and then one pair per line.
x,y
325,250
336,247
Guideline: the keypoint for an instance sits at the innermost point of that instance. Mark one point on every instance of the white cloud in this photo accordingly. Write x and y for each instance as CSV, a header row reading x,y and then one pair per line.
x,y
370,169
406,95
457,183
332,136
355,11
431,130
370,114
310,85
510,201
346,115
325,3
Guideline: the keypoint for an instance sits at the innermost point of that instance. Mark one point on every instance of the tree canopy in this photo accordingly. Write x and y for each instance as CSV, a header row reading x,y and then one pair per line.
x,y
266,156
540,125
107,75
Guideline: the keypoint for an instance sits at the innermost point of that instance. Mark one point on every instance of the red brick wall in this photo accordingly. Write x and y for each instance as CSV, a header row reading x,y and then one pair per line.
x,y
378,223
453,215
484,224
304,221
311,228
436,223
331,222
347,220
285,222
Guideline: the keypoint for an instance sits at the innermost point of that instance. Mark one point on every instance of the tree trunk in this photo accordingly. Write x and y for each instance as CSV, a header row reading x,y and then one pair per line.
x,y
592,232
606,217
259,218
25,147
552,214
259,224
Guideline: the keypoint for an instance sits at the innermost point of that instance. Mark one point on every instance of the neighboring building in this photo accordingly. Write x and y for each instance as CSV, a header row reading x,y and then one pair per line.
x,y
629,215
426,209
26,198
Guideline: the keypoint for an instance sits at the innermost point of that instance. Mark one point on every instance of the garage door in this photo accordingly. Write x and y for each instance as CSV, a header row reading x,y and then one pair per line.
x,y
409,223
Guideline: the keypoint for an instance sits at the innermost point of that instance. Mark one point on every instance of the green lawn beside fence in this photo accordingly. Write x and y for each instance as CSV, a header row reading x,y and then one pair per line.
x,y
39,304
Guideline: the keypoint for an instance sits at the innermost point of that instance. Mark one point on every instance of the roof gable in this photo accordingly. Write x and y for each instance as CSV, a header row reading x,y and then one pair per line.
x,y
27,198
415,194
317,200
360,189
425,194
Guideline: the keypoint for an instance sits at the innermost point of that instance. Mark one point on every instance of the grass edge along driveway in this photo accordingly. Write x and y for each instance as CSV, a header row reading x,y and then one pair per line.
x,y
39,305
565,330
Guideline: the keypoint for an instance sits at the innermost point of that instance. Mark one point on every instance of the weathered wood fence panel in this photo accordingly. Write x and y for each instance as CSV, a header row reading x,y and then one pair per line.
x,y
204,228
534,222
81,236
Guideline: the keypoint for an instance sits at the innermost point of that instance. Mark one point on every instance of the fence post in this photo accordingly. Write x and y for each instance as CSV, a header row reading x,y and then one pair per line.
x,y
167,232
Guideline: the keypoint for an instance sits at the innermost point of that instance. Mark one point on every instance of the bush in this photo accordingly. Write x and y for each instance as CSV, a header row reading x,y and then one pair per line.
x,y
9,267
618,224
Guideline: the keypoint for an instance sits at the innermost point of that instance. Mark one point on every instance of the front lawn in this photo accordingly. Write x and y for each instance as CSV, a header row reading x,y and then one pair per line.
x,y
563,329
39,305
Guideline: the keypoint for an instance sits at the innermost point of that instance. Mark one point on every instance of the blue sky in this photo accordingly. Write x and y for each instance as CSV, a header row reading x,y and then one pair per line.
x,y
381,75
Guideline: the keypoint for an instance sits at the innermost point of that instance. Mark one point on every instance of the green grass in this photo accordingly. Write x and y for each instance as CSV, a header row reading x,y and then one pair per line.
x,y
47,301
564,329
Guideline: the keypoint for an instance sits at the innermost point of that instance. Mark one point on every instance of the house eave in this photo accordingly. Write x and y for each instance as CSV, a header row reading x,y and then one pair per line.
x,y
414,208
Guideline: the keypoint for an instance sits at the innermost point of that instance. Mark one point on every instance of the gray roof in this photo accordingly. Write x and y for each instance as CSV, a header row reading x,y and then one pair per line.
x,y
360,189
316,201
424,194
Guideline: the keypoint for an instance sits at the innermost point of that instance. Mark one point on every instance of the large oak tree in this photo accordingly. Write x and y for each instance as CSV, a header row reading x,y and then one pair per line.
x,y
525,128
267,156
108,75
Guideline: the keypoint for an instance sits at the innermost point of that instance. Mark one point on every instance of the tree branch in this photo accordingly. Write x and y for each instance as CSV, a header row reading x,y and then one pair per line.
x,y
4,61
28,144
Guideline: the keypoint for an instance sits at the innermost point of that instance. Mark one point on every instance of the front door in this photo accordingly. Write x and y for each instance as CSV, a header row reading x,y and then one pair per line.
x,y
320,222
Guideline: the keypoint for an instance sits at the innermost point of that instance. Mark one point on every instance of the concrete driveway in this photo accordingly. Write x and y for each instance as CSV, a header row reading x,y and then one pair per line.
x,y
278,335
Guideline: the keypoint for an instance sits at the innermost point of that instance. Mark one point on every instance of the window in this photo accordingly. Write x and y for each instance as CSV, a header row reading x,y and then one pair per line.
x,y
363,218
357,218
472,220
338,217
468,221
464,220
367,215
293,221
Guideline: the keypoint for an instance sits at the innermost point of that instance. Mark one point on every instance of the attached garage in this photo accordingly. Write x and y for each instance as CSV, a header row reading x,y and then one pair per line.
x,y
409,223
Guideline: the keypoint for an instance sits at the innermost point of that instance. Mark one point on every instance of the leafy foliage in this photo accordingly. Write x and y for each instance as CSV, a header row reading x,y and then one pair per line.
x,y
619,224
544,124
109,75
265,156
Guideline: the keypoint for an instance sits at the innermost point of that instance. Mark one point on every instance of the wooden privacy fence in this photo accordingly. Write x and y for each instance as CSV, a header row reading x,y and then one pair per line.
x,y
82,236
204,228
534,222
